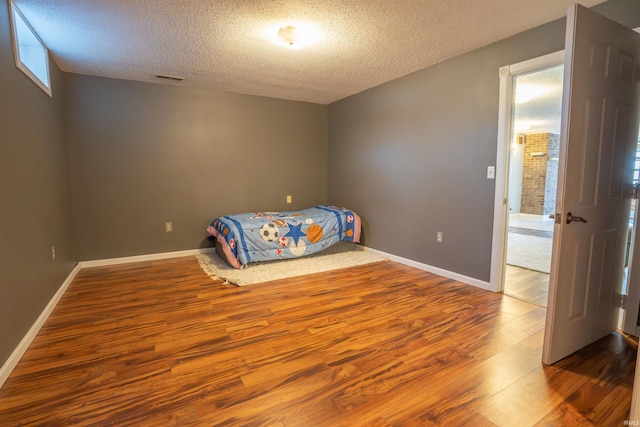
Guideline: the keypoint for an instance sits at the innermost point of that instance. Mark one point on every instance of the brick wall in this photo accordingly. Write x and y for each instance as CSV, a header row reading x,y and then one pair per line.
x,y
551,185
540,173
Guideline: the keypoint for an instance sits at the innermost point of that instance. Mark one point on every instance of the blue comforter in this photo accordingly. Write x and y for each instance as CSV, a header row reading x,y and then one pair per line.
x,y
266,236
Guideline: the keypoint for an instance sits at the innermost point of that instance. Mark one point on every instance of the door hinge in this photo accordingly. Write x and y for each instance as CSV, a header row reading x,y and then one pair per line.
x,y
622,302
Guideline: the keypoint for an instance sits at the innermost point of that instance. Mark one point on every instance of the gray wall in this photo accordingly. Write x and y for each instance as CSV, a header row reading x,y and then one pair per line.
x,y
411,156
35,202
142,154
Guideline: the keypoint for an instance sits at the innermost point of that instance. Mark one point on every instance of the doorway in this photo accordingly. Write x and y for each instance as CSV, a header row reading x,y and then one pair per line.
x,y
532,182
507,136
512,136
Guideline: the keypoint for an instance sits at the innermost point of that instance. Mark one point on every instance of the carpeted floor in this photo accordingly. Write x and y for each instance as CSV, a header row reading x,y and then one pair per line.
x,y
530,252
261,272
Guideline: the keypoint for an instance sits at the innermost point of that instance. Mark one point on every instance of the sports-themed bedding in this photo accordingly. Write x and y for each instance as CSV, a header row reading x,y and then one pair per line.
x,y
266,236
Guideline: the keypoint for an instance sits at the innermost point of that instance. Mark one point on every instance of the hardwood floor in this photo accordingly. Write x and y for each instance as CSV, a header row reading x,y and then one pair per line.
x,y
160,344
527,285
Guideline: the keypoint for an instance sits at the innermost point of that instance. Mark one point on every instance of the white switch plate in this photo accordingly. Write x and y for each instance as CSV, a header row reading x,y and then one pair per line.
x,y
439,237
491,172
288,199
168,227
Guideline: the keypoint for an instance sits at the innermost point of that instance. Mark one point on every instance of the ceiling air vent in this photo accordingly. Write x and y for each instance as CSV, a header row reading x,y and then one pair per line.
x,y
171,78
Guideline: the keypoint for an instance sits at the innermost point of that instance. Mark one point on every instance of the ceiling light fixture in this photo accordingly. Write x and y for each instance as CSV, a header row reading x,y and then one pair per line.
x,y
525,93
521,127
294,36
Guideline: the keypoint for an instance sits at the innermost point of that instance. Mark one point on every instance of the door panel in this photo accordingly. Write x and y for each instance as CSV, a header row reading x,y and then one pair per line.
x,y
583,250
598,139
616,185
592,147
591,152
607,271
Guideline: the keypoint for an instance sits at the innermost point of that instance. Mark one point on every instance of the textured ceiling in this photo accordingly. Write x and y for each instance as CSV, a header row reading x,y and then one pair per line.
x,y
222,44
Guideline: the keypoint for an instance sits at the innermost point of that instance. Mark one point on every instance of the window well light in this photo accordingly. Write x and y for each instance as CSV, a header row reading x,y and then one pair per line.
x,y
31,54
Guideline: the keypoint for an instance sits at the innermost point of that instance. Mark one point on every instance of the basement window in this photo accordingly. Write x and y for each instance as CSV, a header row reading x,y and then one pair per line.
x,y
31,55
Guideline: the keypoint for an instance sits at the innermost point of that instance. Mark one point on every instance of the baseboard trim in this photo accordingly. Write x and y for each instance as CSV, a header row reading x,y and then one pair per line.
x,y
140,258
18,352
435,270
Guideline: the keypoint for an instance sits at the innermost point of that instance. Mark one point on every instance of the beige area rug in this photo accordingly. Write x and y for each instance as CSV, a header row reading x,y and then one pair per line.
x,y
260,272
530,252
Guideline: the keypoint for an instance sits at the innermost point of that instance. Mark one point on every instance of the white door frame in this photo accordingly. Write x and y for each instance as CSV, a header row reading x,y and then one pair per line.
x,y
629,324
505,127
632,308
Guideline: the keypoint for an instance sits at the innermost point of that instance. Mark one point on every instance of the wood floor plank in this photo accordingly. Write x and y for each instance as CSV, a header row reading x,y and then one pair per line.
x,y
160,343
528,285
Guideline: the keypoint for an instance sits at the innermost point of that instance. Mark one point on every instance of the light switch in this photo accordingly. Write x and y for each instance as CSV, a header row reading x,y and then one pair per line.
x,y
491,172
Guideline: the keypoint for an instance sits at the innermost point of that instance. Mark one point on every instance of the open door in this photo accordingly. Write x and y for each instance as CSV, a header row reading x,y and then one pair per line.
x,y
598,142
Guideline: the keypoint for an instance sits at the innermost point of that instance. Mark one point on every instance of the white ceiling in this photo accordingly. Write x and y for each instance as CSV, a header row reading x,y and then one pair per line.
x,y
221,44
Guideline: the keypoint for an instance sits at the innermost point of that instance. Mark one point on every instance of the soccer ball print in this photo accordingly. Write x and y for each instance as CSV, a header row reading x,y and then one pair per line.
x,y
270,232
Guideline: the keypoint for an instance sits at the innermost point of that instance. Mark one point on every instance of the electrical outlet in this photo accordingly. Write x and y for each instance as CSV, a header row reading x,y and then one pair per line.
x,y
53,253
168,227
289,199
439,237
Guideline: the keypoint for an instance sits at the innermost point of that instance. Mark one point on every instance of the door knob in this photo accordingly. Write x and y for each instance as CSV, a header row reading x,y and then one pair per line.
x,y
571,218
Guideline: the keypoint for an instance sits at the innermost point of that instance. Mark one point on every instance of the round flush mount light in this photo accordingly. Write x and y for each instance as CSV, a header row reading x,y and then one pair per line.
x,y
521,128
525,92
294,36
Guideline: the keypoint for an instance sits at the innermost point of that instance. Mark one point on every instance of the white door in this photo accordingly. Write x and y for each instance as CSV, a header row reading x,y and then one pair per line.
x,y
599,134
630,325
